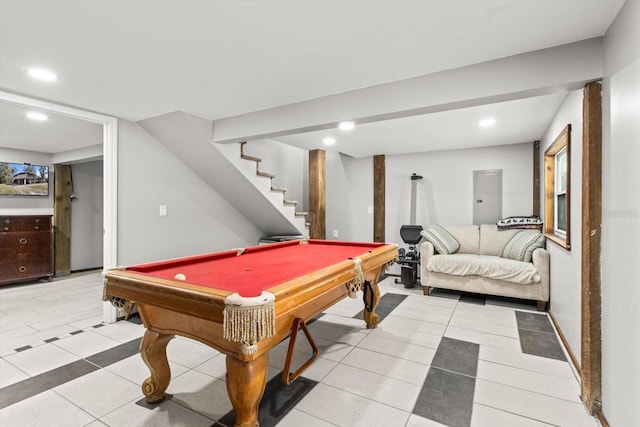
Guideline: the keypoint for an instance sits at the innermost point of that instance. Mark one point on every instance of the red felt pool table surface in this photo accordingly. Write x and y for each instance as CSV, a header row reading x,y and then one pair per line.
x,y
259,267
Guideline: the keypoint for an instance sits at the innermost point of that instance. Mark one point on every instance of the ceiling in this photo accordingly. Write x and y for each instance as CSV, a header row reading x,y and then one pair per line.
x,y
216,59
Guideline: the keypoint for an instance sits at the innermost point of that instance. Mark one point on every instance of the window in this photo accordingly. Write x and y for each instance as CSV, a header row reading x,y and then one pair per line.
x,y
557,179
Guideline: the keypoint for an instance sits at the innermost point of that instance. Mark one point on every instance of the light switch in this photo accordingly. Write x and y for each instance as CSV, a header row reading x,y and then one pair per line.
x,y
163,210
335,233
370,209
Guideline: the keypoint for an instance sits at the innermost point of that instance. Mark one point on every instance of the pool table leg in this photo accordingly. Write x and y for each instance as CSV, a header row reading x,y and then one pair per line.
x,y
245,385
153,350
371,298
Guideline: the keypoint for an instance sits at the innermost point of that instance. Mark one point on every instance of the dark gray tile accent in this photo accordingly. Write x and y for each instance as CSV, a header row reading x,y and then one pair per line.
x,y
515,303
135,318
19,349
541,344
457,356
116,354
30,387
444,293
142,402
277,401
76,332
52,339
388,302
473,298
99,325
537,336
446,397
534,322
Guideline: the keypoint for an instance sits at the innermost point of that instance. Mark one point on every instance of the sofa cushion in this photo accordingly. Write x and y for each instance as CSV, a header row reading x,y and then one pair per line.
x,y
468,236
493,267
522,245
493,240
441,239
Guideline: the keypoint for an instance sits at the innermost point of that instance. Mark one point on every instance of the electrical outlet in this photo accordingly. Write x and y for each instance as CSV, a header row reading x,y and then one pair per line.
x,y
335,233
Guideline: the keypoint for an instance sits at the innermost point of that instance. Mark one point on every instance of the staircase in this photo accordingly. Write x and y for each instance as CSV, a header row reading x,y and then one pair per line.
x,y
249,190
282,190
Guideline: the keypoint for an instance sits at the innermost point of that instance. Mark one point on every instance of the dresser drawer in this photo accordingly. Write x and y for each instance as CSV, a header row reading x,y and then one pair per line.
x,y
24,270
16,246
25,223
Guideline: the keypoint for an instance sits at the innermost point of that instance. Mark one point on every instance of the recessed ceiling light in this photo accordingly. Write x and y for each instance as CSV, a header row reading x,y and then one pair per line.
x,y
41,74
37,116
487,123
329,140
346,125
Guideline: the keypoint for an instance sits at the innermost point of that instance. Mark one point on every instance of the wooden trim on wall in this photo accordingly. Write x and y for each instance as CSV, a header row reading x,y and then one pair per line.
x,y
591,347
563,140
317,194
62,219
379,198
536,178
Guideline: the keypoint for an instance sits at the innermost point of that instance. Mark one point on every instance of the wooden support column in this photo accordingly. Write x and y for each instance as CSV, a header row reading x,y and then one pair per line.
x,y
536,178
62,220
317,193
591,368
378,198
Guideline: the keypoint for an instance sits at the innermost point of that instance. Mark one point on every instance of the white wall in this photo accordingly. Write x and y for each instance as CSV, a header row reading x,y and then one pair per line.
x,y
565,275
444,195
27,205
621,219
349,192
86,216
198,219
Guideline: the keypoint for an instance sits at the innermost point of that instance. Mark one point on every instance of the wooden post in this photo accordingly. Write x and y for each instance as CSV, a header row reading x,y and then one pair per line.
x,y
591,369
378,198
536,178
62,220
317,194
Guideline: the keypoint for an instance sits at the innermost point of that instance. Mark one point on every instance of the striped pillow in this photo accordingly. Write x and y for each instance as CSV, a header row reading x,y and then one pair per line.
x,y
522,245
441,239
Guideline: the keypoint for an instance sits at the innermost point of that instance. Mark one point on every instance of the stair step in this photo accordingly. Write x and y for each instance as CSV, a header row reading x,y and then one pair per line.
x,y
265,174
290,202
252,158
301,214
280,189
246,156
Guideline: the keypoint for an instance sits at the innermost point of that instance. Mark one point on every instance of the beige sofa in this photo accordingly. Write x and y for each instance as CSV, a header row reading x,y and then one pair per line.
x,y
478,265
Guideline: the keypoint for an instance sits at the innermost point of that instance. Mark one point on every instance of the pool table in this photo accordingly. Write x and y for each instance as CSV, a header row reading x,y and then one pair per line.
x,y
243,302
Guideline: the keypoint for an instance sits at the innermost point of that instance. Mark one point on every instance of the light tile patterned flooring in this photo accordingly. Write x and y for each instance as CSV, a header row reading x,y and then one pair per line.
x,y
365,377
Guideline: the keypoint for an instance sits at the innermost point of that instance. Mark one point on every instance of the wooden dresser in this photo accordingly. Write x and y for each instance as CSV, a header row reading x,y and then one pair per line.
x,y
26,248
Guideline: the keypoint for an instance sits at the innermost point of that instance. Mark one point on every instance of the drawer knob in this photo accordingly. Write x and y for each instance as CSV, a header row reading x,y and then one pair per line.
x,y
23,241
7,221
6,229
37,227
22,269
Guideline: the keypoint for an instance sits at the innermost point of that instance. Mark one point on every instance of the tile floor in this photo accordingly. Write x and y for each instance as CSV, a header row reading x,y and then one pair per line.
x,y
432,361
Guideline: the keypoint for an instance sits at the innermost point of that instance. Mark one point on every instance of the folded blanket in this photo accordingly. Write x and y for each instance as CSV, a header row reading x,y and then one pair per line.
x,y
524,222
523,273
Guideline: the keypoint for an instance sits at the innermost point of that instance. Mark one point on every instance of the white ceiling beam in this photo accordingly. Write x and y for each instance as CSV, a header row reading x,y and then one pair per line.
x,y
540,72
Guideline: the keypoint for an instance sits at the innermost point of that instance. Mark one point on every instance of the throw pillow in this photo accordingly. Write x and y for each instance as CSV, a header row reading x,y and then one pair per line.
x,y
441,239
522,245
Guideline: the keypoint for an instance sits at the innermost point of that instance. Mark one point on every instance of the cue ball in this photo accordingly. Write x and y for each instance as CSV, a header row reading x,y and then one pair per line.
x,y
180,276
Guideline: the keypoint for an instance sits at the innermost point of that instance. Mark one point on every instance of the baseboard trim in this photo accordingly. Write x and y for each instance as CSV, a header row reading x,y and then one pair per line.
x,y
565,343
